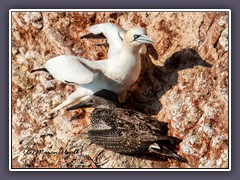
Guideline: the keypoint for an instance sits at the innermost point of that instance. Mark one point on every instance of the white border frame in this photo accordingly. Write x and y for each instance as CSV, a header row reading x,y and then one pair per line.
x,y
119,10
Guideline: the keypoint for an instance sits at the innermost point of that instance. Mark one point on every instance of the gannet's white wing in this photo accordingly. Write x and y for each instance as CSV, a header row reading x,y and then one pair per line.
x,y
113,33
100,65
69,69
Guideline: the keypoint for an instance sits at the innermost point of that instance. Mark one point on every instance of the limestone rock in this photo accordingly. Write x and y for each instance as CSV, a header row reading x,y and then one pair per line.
x,y
184,81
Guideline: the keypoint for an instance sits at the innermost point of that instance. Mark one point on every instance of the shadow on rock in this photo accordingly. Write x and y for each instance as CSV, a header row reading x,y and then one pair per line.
x,y
155,81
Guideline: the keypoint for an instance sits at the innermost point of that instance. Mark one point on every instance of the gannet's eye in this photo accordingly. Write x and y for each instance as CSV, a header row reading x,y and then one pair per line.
x,y
91,101
135,36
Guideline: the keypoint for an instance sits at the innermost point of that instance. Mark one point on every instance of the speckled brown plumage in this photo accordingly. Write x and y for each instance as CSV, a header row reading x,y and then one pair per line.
x,y
127,131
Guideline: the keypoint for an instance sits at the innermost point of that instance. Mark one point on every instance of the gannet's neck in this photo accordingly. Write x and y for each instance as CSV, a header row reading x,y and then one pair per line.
x,y
127,48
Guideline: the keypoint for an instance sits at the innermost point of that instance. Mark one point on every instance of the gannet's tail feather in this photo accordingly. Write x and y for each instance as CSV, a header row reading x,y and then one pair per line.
x,y
162,150
81,94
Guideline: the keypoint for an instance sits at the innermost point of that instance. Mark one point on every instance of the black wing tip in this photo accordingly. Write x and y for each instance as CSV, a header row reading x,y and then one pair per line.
x,y
39,69
93,36
72,108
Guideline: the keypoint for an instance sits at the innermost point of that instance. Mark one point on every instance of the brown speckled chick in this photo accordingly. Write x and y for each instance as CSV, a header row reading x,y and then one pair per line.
x,y
127,131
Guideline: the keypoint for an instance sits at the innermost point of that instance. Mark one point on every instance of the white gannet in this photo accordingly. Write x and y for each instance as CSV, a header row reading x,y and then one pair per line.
x,y
117,73
127,131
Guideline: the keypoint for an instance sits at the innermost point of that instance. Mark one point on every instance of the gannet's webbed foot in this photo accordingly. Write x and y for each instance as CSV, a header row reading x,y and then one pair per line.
x,y
134,87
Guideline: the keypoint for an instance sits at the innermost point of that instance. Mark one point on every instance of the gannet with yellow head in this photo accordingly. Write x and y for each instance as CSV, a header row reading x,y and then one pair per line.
x,y
117,73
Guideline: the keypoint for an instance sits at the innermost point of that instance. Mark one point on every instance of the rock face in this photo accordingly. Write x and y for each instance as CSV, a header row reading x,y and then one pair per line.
x,y
184,81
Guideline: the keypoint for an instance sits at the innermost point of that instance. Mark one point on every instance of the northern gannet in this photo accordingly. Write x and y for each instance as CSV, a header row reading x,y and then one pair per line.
x,y
127,131
117,73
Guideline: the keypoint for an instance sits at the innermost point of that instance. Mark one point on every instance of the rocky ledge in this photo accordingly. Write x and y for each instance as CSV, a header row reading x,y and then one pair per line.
x,y
184,81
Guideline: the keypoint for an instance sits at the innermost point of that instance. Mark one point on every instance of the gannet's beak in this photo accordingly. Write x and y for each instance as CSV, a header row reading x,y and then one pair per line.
x,y
144,39
85,104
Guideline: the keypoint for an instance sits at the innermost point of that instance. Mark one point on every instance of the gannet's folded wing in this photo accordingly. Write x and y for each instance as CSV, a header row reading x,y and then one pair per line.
x,y
117,141
113,33
69,69
100,65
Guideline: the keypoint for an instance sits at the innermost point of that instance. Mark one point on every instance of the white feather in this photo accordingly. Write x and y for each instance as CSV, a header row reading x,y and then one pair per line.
x,y
67,68
114,35
117,73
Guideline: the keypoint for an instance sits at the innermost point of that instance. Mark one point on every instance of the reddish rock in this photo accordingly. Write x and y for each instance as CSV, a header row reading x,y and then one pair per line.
x,y
177,85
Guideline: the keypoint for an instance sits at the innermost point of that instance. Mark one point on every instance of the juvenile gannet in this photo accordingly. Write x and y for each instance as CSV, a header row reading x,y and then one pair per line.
x,y
127,131
117,73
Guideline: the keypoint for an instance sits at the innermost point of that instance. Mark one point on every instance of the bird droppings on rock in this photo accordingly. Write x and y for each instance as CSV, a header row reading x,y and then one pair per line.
x,y
176,85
